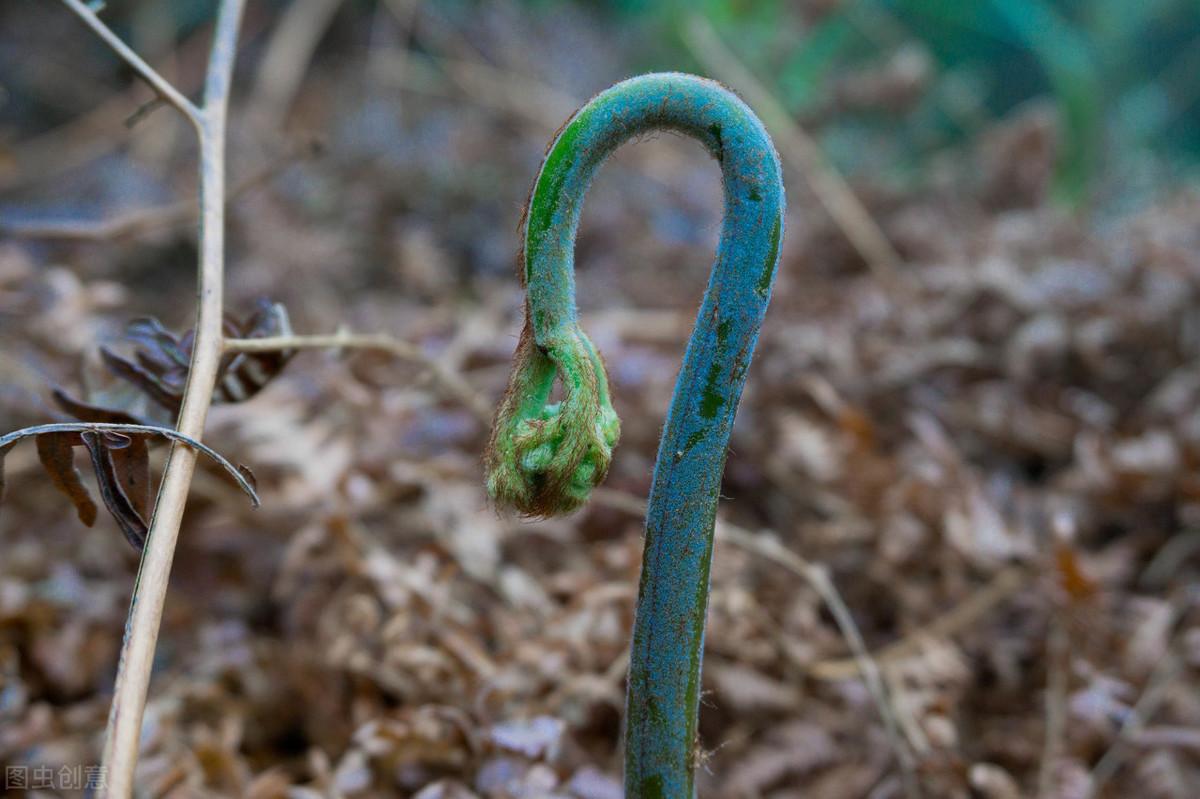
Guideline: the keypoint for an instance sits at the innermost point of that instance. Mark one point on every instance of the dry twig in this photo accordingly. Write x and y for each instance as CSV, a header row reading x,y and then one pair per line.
x,y
954,621
296,36
767,546
141,220
145,614
450,382
1056,704
157,82
798,149
1153,696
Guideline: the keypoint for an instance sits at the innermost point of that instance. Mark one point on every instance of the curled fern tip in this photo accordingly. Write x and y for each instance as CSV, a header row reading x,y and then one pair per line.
x,y
545,458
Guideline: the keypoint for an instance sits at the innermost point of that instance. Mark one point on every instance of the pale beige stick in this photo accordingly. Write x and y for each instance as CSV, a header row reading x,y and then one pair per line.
x,y
534,99
129,223
452,383
767,546
1167,671
65,147
798,149
87,136
1166,736
297,34
404,14
147,72
818,577
149,593
491,88
1153,696
501,88
1001,587
1056,705
499,91
137,222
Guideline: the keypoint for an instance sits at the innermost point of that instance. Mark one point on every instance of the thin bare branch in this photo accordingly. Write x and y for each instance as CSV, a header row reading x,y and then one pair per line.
x,y
1004,585
145,616
147,72
127,224
1057,654
1169,668
817,576
142,220
331,341
1156,692
452,384
798,149
285,62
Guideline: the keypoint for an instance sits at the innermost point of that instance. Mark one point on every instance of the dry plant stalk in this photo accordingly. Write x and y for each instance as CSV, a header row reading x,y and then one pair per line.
x,y
146,220
799,149
145,612
449,382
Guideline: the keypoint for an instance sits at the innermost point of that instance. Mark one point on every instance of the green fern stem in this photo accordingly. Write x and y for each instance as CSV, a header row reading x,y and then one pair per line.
x,y
544,458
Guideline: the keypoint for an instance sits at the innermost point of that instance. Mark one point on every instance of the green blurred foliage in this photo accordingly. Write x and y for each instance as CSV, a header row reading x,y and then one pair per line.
x,y
1123,74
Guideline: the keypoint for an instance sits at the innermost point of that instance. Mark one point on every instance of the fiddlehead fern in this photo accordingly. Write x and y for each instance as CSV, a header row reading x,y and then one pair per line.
x,y
543,459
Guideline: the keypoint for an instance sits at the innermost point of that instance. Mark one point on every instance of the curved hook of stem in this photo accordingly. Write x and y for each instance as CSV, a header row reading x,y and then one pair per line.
x,y
544,459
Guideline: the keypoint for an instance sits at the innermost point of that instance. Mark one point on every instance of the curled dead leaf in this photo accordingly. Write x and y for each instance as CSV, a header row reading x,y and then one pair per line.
x,y
120,459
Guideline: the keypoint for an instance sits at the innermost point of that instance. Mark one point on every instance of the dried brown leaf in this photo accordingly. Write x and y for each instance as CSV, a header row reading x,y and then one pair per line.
x,y
120,459
158,368
92,413
166,392
247,475
55,452
131,465
101,447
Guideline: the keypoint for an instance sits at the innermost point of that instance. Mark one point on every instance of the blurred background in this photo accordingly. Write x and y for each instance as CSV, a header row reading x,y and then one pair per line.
x,y
974,406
